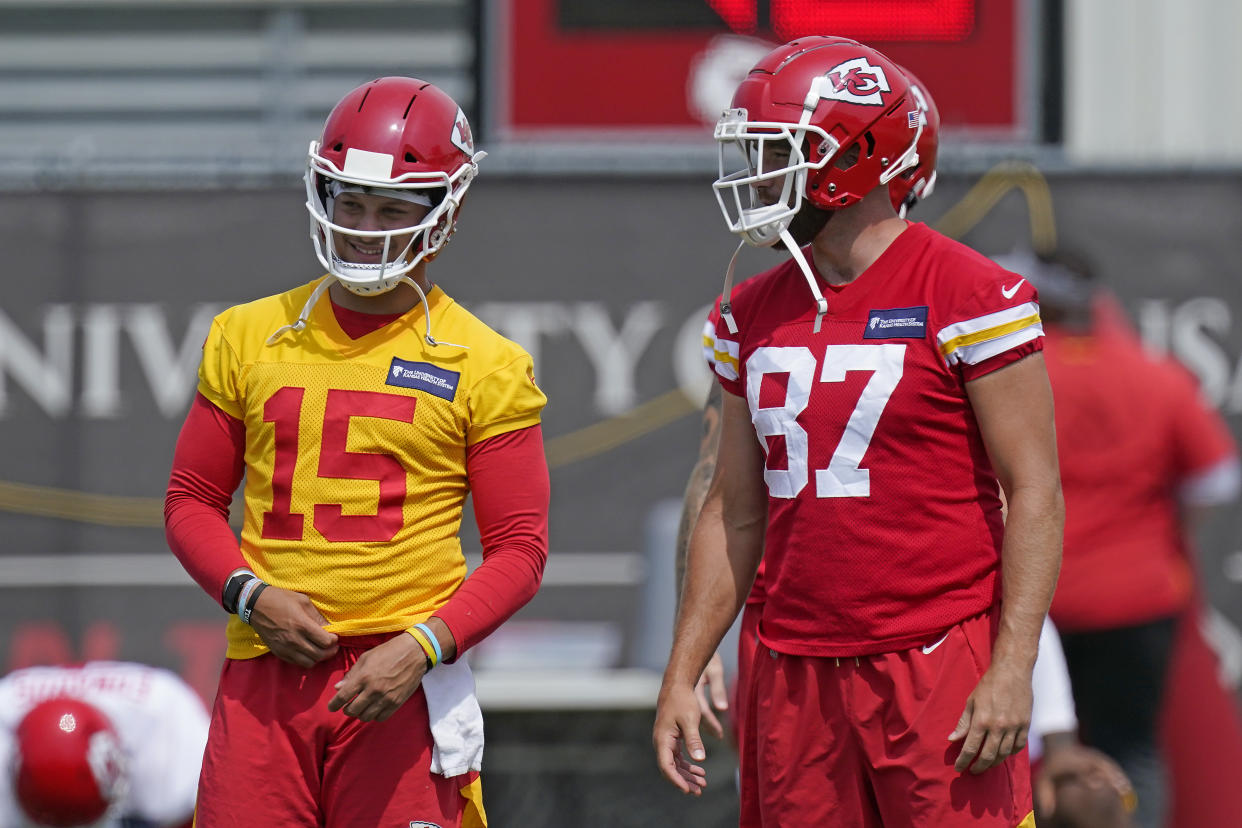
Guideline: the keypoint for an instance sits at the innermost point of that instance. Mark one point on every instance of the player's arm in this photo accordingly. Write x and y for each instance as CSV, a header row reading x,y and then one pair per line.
x,y
509,483
712,693
1204,452
510,487
725,548
1013,406
700,480
208,463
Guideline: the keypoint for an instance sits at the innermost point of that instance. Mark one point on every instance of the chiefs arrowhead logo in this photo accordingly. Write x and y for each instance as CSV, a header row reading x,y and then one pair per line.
x,y
461,137
855,81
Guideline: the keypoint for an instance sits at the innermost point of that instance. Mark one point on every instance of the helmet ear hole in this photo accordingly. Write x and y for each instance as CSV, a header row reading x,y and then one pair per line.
x,y
410,159
850,157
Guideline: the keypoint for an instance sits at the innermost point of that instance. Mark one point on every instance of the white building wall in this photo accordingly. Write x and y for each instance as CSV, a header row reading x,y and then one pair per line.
x,y
1153,82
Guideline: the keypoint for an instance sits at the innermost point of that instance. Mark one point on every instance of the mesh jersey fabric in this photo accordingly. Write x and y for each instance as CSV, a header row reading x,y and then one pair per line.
x,y
356,451
884,515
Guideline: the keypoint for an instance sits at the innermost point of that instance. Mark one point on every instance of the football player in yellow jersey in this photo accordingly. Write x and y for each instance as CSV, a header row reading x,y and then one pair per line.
x,y
360,409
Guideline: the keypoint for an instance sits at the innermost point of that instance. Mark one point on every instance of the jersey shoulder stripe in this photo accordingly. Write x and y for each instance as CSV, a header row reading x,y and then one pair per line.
x,y
709,343
975,340
726,358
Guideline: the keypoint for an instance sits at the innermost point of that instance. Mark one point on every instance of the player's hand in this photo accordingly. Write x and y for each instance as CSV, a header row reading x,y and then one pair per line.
x,y
381,680
712,694
676,733
1089,780
996,718
292,627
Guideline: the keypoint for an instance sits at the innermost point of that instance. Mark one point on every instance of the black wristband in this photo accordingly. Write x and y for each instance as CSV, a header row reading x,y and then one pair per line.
x,y
233,587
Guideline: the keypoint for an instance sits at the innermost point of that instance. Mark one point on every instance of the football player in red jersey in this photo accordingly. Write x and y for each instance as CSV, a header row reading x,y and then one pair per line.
x,y
892,675
1127,601
906,190
361,408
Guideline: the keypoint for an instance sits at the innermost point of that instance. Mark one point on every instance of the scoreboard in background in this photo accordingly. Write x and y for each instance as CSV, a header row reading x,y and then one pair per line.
x,y
574,69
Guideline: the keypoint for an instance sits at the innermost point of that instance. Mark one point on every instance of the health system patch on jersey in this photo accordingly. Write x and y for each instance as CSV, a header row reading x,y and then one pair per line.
x,y
897,323
423,376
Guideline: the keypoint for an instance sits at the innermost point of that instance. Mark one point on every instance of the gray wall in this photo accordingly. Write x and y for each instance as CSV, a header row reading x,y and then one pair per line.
x,y
605,280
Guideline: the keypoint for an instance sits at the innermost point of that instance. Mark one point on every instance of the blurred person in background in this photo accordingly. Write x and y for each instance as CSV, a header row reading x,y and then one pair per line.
x,y
1074,785
1142,455
105,744
858,615
361,408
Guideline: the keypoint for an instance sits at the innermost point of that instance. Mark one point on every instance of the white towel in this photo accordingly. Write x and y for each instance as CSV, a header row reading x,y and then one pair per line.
x,y
456,719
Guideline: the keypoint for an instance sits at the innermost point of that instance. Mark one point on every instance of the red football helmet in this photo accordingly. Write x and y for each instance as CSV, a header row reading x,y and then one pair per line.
x,y
398,137
69,766
917,183
826,118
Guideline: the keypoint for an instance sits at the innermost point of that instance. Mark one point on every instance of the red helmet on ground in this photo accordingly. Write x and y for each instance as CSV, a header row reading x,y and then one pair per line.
x,y
828,119
69,766
917,183
401,138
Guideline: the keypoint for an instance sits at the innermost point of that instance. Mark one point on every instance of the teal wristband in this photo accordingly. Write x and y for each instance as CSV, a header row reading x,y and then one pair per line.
x,y
431,638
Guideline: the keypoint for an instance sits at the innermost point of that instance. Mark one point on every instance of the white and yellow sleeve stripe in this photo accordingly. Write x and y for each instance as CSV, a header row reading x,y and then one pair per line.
x,y
709,343
976,340
725,358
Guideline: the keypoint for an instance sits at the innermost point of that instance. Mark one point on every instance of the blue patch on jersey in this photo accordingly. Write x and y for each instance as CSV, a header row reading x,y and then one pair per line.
x,y
897,323
423,376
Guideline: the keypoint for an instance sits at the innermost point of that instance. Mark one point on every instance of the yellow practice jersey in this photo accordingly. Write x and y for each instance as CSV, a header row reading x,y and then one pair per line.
x,y
356,451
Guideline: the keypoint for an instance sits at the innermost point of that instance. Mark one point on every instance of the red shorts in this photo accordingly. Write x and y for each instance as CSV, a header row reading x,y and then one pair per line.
x,y
747,647
864,743
276,756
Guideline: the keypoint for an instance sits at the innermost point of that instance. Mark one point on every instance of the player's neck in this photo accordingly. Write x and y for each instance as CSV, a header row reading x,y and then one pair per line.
x,y
400,299
854,238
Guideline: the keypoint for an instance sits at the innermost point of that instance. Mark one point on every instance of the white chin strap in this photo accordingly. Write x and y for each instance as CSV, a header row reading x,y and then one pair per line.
x,y
322,288
726,303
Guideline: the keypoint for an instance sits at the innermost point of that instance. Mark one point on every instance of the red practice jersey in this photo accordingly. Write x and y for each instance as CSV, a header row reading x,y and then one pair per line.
x,y
884,515
1137,442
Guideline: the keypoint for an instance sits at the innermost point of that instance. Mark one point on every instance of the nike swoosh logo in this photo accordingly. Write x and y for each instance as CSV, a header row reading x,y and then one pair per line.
x,y
1008,292
928,649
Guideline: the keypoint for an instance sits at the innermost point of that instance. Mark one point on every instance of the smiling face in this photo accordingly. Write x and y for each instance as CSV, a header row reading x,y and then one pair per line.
x,y
376,214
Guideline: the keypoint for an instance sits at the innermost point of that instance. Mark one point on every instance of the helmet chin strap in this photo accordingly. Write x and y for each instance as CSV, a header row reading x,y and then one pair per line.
x,y
726,301
821,304
322,288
